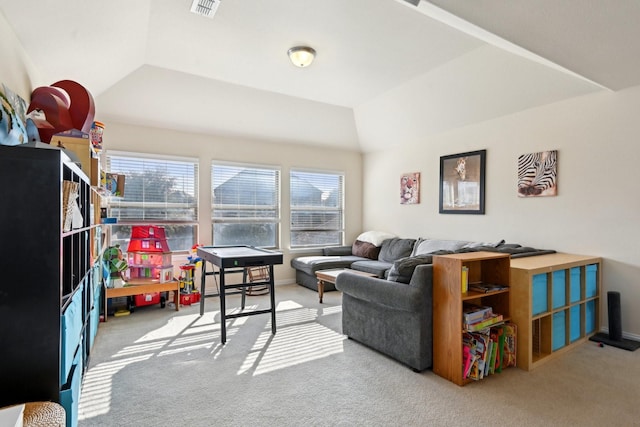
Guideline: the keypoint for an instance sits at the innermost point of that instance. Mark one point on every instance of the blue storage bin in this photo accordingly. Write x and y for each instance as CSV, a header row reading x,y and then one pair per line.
x,y
574,323
591,280
558,330
575,284
559,296
94,320
97,279
71,332
70,393
539,294
590,317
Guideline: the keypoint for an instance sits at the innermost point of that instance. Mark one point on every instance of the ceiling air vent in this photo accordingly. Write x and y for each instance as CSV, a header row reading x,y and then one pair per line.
x,y
205,7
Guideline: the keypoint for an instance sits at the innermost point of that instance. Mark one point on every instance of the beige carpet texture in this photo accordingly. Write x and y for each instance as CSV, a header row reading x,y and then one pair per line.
x,y
161,367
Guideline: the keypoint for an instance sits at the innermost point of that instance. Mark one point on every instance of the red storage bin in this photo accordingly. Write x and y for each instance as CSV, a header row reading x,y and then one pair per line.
x,y
147,299
188,299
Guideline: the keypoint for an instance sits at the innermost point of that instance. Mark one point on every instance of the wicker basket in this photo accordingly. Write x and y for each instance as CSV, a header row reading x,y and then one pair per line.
x,y
44,414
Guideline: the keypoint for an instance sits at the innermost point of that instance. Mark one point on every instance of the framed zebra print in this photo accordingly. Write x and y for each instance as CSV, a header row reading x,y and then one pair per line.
x,y
537,174
462,182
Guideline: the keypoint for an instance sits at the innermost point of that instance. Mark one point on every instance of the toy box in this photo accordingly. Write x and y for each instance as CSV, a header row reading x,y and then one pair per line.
x,y
147,299
188,299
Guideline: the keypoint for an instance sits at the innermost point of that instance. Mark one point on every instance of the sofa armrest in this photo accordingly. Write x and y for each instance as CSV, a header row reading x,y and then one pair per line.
x,y
400,296
336,250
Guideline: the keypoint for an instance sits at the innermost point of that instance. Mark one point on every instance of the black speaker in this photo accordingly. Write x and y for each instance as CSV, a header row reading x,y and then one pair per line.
x,y
615,316
615,326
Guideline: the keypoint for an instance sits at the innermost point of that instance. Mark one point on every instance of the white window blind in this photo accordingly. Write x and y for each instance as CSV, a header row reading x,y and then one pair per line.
x,y
317,208
245,204
159,191
156,189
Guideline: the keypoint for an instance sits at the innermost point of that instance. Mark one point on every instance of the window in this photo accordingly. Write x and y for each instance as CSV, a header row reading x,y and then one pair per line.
x,y
245,205
317,207
158,190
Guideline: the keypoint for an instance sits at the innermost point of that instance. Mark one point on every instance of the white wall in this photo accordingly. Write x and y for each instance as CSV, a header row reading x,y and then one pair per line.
x,y
16,70
122,137
595,212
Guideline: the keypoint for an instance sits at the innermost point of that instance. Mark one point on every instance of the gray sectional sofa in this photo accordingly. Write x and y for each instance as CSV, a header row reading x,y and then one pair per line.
x,y
392,312
392,318
388,252
395,258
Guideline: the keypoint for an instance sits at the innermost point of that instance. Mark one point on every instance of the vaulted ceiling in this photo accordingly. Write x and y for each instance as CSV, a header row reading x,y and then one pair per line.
x,y
381,65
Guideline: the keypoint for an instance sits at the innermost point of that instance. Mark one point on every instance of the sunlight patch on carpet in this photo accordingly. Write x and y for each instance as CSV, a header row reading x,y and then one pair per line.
x,y
293,317
177,325
287,305
97,385
332,310
303,340
141,348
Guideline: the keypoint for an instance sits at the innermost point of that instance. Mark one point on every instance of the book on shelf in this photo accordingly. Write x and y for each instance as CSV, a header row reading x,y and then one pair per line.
x,y
486,287
472,313
464,275
477,345
488,351
509,358
497,337
483,324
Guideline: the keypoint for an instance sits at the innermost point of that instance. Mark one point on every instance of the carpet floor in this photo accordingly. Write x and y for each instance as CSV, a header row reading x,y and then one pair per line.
x,y
161,367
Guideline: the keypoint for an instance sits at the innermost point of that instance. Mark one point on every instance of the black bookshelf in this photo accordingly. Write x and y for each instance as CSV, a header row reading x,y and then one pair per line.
x,y
47,294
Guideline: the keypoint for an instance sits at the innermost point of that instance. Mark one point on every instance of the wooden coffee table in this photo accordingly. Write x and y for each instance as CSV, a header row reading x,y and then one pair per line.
x,y
329,276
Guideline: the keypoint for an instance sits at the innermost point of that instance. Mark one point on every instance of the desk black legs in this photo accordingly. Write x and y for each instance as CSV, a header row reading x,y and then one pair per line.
x,y
223,309
223,302
272,296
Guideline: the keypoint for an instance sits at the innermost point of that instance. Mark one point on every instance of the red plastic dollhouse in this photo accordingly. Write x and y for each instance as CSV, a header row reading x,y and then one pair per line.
x,y
148,254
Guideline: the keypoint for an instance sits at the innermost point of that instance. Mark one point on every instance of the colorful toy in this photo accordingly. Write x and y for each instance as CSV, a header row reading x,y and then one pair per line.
x,y
115,262
149,254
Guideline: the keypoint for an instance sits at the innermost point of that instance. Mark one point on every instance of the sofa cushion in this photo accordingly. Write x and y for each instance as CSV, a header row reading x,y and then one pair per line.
x,y
365,249
395,248
402,270
379,268
375,237
311,264
337,250
427,246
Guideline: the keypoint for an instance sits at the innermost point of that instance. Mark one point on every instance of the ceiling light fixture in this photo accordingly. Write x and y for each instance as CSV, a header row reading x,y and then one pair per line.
x,y
301,56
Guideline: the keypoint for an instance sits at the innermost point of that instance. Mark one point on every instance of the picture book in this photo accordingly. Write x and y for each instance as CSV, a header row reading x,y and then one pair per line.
x,y
472,313
509,358
497,335
494,319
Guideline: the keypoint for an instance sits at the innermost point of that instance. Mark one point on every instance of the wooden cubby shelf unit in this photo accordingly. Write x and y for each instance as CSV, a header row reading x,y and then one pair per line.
x,y
555,301
486,267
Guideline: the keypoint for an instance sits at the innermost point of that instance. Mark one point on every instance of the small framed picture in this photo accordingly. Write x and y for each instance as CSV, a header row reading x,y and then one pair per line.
x,y
462,178
537,174
410,188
